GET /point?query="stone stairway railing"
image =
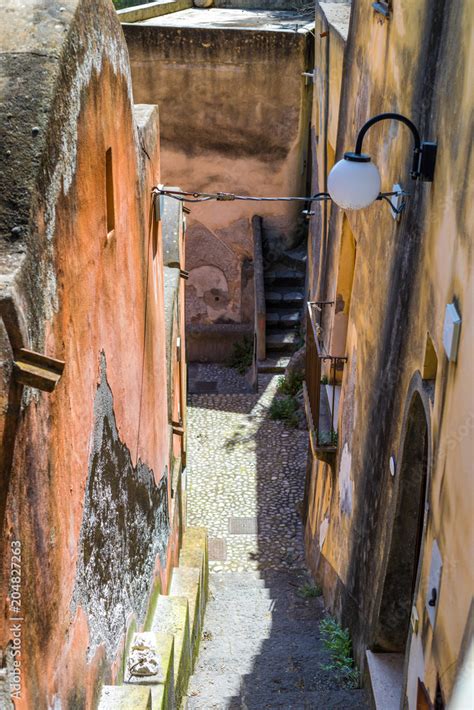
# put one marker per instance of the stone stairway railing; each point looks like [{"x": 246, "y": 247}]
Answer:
[{"x": 161, "y": 658}]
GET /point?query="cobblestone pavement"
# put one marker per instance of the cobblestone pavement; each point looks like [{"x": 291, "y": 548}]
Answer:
[
  {"x": 261, "y": 647},
  {"x": 242, "y": 465},
  {"x": 207, "y": 378}
]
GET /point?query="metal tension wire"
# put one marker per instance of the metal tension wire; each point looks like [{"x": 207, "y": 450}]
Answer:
[
  {"x": 183, "y": 196},
  {"x": 194, "y": 197}
]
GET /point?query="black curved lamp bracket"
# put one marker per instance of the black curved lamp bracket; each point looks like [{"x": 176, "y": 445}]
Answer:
[{"x": 424, "y": 152}]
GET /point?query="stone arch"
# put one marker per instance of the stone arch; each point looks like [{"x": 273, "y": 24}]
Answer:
[{"x": 405, "y": 553}]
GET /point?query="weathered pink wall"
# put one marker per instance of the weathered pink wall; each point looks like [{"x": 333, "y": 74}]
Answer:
[{"x": 89, "y": 484}]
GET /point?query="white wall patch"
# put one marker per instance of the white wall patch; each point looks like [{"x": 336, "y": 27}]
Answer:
[{"x": 346, "y": 485}]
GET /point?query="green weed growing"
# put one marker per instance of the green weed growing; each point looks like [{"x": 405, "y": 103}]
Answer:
[{"x": 338, "y": 642}]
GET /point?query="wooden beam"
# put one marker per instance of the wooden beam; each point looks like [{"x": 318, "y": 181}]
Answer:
[{"x": 37, "y": 370}]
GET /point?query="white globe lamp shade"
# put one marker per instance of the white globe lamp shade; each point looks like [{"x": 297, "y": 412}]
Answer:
[{"x": 354, "y": 182}]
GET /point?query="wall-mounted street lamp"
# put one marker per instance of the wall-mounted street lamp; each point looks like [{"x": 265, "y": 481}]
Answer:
[{"x": 354, "y": 182}]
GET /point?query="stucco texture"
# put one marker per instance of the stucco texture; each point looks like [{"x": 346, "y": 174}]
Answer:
[
  {"x": 86, "y": 468},
  {"x": 404, "y": 275},
  {"x": 235, "y": 112}
]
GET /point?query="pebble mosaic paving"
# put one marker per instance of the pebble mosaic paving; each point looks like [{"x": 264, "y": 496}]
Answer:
[{"x": 244, "y": 465}]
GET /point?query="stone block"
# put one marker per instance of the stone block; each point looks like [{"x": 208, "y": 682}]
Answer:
[
  {"x": 172, "y": 617},
  {"x": 150, "y": 662},
  {"x": 194, "y": 553},
  {"x": 186, "y": 582},
  {"x": 125, "y": 697}
]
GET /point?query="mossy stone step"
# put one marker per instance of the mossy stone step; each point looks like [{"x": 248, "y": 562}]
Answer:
[
  {"x": 172, "y": 617},
  {"x": 125, "y": 697},
  {"x": 163, "y": 643},
  {"x": 186, "y": 582},
  {"x": 194, "y": 553}
]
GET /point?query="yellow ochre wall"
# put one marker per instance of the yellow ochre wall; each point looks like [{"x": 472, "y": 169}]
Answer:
[{"x": 415, "y": 63}]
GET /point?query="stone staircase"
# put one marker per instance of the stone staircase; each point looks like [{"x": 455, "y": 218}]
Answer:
[
  {"x": 284, "y": 298},
  {"x": 168, "y": 646},
  {"x": 261, "y": 648}
]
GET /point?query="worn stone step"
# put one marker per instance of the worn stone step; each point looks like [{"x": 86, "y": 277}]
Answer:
[
  {"x": 283, "y": 276},
  {"x": 271, "y": 661},
  {"x": 162, "y": 682},
  {"x": 124, "y": 697},
  {"x": 283, "y": 319},
  {"x": 296, "y": 700},
  {"x": 286, "y": 340},
  {"x": 284, "y": 296},
  {"x": 294, "y": 259},
  {"x": 275, "y": 364},
  {"x": 186, "y": 582},
  {"x": 248, "y": 592}
]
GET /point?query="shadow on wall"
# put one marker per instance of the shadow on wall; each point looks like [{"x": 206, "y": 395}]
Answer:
[{"x": 125, "y": 525}]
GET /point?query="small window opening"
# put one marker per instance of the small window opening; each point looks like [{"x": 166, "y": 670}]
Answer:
[
  {"x": 430, "y": 363},
  {"x": 109, "y": 191}
]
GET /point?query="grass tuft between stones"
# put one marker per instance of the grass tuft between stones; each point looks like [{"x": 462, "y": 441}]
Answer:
[{"x": 284, "y": 409}]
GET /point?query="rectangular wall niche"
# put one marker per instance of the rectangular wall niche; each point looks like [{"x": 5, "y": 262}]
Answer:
[{"x": 109, "y": 191}]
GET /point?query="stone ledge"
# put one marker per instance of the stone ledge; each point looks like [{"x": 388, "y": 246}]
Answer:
[
  {"x": 337, "y": 15},
  {"x": 214, "y": 342},
  {"x": 139, "y": 13},
  {"x": 385, "y": 671}
]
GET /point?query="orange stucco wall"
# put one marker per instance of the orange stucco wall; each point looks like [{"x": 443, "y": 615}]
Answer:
[{"x": 98, "y": 447}]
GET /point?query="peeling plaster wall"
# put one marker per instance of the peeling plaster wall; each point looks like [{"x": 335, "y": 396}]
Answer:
[
  {"x": 86, "y": 470},
  {"x": 125, "y": 527},
  {"x": 405, "y": 274}
]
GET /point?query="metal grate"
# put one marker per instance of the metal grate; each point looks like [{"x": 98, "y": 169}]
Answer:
[
  {"x": 243, "y": 526},
  {"x": 217, "y": 549},
  {"x": 204, "y": 387}
]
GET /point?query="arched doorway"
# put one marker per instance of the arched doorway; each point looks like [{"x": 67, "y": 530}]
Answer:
[{"x": 400, "y": 579}]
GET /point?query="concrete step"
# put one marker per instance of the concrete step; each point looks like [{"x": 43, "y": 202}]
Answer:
[
  {"x": 274, "y": 364},
  {"x": 284, "y": 296},
  {"x": 285, "y": 340},
  {"x": 283, "y": 319},
  {"x": 294, "y": 700}
]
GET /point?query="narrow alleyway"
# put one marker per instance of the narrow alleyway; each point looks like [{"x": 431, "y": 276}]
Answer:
[{"x": 261, "y": 646}]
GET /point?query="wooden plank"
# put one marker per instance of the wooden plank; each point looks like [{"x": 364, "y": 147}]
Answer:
[
  {"x": 37, "y": 370},
  {"x": 40, "y": 360}
]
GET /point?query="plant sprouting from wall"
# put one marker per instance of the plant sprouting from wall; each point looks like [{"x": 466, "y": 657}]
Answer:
[{"x": 338, "y": 642}]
